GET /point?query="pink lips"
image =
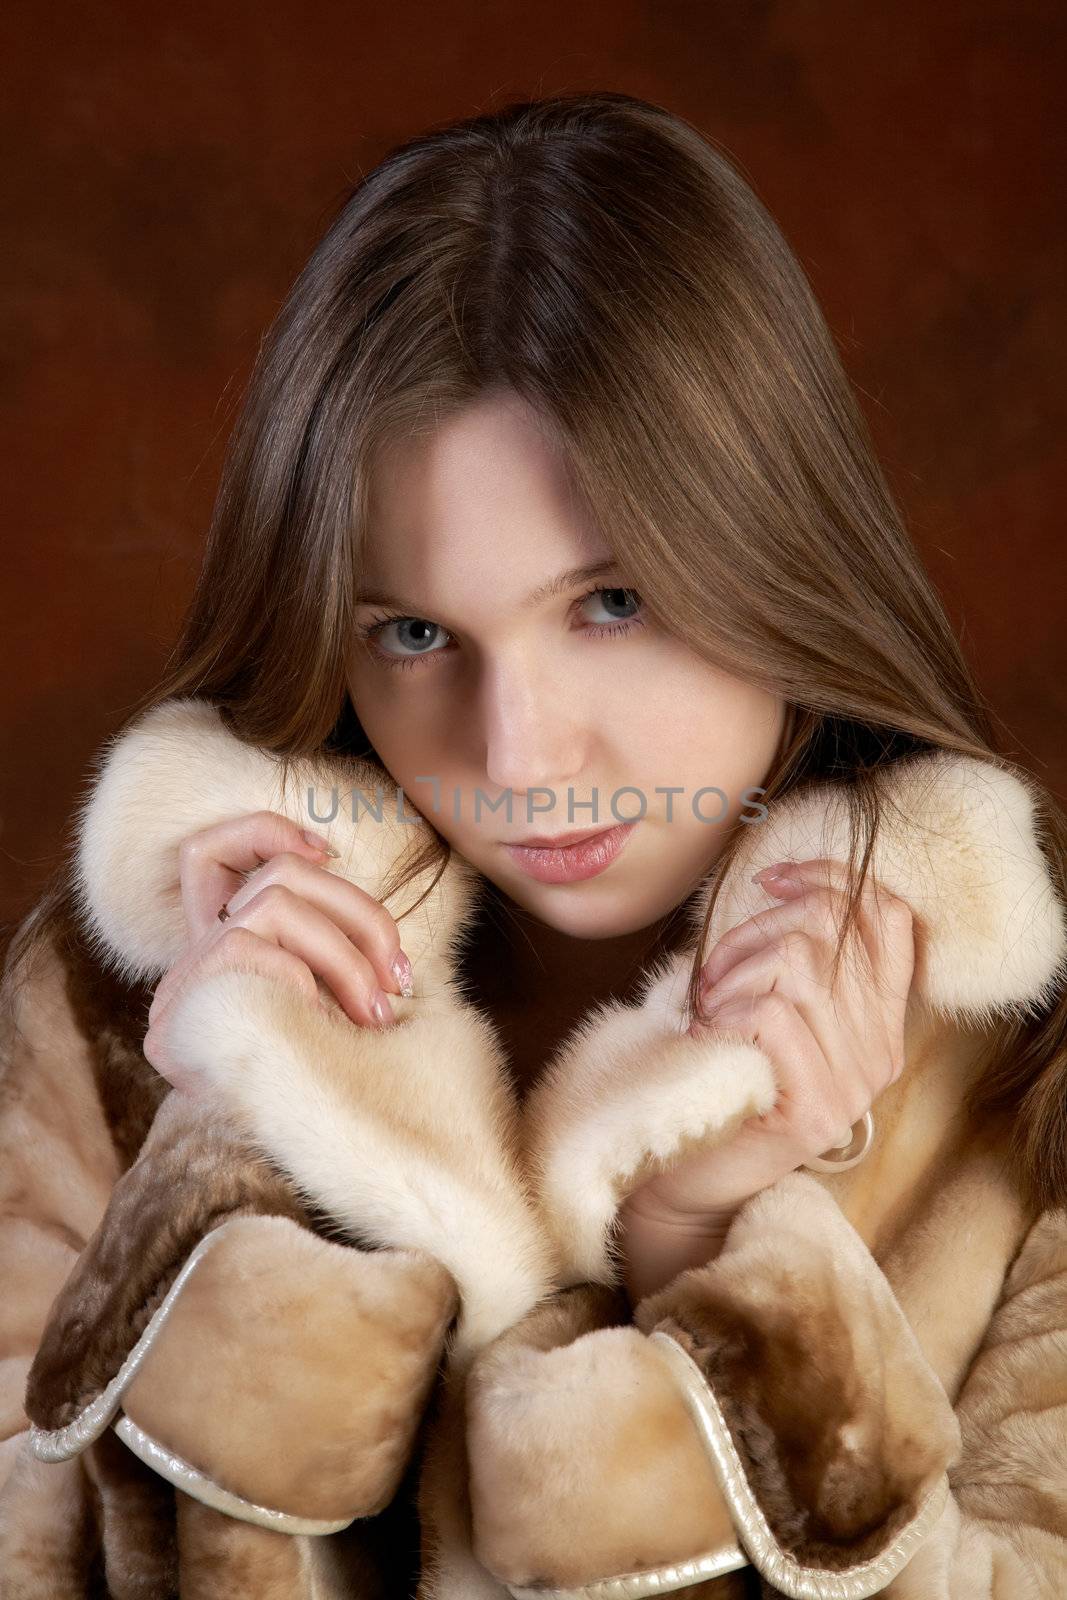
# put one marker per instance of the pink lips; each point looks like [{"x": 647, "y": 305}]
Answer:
[{"x": 569, "y": 863}]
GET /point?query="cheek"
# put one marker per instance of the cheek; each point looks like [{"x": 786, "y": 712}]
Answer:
[
  {"x": 699, "y": 729},
  {"x": 391, "y": 720},
  {"x": 413, "y": 744}
]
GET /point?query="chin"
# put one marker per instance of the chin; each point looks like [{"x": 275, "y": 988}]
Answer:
[{"x": 581, "y": 912}]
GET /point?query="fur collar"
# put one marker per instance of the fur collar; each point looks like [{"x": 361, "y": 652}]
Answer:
[
  {"x": 628, "y": 1090},
  {"x": 959, "y": 843},
  {"x": 412, "y": 1141}
]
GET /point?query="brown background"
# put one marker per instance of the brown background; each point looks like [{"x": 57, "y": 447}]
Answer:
[{"x": 170, "y": 168}]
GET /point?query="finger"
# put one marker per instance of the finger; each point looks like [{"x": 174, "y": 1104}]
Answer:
[
  {"x": 792, "y": 962},
  {"x": 212, "y": 861},
  {"x": 275, "y": 912},
  {"x": 852, "y": 1034},
  {"x": 820, "y": 886},
  {"x": 885, "y": 922},
  {"x": 239, "y": 949},
  {"x": 809, "y": 1104},
  {"x": 819, "y": 910},
  {"x": 364, "y": 920},
  {"x": 798, "y": 968},
  {"x": 797, "y": 948}
]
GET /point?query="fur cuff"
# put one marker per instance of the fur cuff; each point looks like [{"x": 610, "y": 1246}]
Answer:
[
  {"x": 587, "y": 1477},
  {"x": 628, "y": 1095},
  {"x": 780, "y": 1388},
  {"x": 267, "y": 1371},
  {"x": 831, "y": 1433},
  {"x": 281, "y": 1379}
]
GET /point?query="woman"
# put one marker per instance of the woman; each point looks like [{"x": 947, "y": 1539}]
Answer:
[{"x": 550, "y": 366}]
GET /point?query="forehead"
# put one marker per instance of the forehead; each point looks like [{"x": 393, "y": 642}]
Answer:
[{"x": 483, "y": 500}]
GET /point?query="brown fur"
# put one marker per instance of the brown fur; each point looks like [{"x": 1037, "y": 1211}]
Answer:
[
  {"x": 844, "y": 1321},
  {"x": 134, "y": 1509},
  {"x": 786, "y": 1378},
  {"x": 190, "y": 1175},
  {"x": 113, "y": 1018}
]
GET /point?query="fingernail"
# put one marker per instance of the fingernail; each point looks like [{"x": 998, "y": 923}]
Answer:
[
  {"x": 319, "y": 843},
  {"x": 382, "y": 1009},
  {"x": 783, "y": 871},
  {"x": 779, "y": 884},
  {"x": 403, "y": 974}
]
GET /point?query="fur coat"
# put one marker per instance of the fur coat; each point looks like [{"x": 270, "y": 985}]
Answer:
[{"x": 352, "y": 1324}]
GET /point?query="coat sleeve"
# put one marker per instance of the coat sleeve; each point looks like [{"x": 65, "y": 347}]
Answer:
[
  {"x": 269, "y": 1372},
  {"x": 1003, "y": 1531},
  {"x": 840, "y": 1449},
  {"x": 57, "y": 1161},
  {"x": 406, "y": 1137},
  {"x": 774, "y": 1408}
]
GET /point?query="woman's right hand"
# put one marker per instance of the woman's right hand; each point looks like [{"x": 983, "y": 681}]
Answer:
[{"x": 291, "y": 919}]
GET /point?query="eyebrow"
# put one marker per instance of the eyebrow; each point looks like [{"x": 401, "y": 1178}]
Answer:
[{"x": 545, "y": 591}]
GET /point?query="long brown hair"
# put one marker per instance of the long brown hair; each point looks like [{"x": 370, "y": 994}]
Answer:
[{"x": 599, "y": 256}]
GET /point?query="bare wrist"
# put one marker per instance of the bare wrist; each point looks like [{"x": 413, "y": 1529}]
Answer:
[{"x": 657, "y": 1246}]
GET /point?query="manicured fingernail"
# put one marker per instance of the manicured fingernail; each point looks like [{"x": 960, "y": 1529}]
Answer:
[
  {"x": 382, "y": 1009},
  {"x": 782, "y": 871},
  {"x": 403, "y": 974},
  {"x": 319, "y": 843},
  {"x": 779, "y": 881}
]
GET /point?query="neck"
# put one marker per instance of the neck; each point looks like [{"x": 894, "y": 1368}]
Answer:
[{"x": 520, "y": 960}]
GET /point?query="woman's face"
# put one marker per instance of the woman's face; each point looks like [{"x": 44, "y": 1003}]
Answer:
[{"x": 468, "y": 684}]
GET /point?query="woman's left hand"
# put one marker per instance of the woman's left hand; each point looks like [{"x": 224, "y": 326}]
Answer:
[{"x": 834, "y": 1050}]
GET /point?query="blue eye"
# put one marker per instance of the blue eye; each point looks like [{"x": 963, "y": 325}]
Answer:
[
  {"x": 416, "y": 632},
  {"x": 615, "y": 597},
  {"x": 424, "y": 637}
]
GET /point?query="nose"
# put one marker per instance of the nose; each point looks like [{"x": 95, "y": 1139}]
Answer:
[{"x": 534, "y": 729}]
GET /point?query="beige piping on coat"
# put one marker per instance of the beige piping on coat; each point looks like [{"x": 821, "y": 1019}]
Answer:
[
  {"x": 59, "y": 1444},
  {"x": 774, "y": 1563},
  {"x": 205, "y": 1489}
]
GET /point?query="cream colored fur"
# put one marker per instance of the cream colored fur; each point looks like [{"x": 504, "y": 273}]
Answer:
[
  {"x": 411, "y": 1137},
  {"x": 400, "y": 1135},
  {"x": 957, "y": 843}
]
